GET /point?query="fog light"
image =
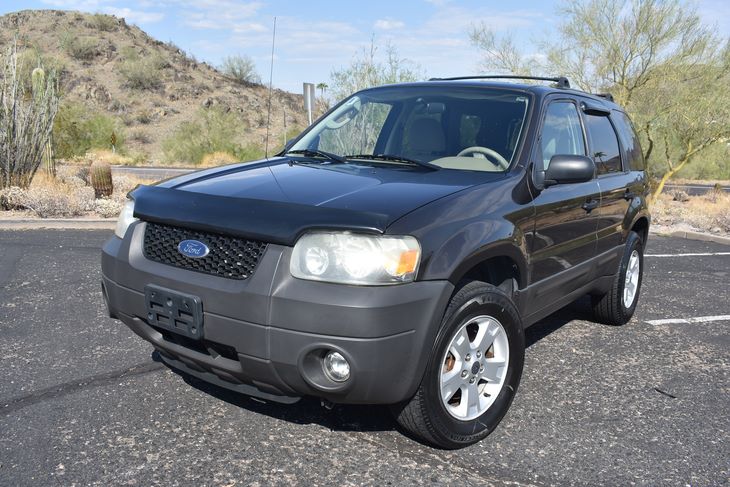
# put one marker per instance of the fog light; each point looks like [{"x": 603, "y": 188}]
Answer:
[{"x": 336, "y": 367}]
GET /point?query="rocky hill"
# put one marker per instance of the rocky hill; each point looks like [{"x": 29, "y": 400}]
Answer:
[{"x": 151, "y": 87}]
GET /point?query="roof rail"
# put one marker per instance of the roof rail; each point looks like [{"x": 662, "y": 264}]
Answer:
[
  {"x": 607, "y": 96},
  {"x": 561, "y": 81}
]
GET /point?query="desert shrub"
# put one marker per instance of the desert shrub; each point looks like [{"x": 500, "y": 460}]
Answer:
[
  {"x": 107, "y": 208},
  {"x": 11, "y": 198},
  {"x": 124, "y": 184},
  {"x": 241, "y": 68},
  {"x": 144, "y": 117},
  {"x": 142, "y": 73},
  {"x": 76, "y": 130},
  {"x": 47, "y": 201},
  {"x": 73, "y": 181},
  {"x": 82, "y": 48},
  {"x": 85, "y": 197},
  {"x": 116, "y": 106},
  {"x": 104, "y": 23},
  {"x": 141, "y": 136},
  {"x": 70, "y": 174},
  {"x": 680, "y": 196},
  {"x": 212, "y": 130}
]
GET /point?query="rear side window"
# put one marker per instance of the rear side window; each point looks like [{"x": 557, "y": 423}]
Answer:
[
  {"x": 604, "y": 144},
  {"x": 629, "y": 140},
  {"x": 561, "y": 132}
]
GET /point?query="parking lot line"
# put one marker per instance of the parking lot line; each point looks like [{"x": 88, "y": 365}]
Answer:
[
  {"x": 696, "y": 254},
  {"x": 697, "y": 319}
]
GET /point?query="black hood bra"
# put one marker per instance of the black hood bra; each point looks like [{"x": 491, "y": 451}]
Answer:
[{"x": 276, "y": 202}]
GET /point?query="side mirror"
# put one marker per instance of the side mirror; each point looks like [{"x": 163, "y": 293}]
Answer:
[
  {"x": 565, "y": 169},
  {"x": 289, "y": 143}
]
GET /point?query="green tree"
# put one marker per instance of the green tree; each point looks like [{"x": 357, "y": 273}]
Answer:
[
  {"x": 77, "y": 130},
  {"x": 366, "y": 71},
  {"x": 212, "y": 130},
  {"x": 241, "y": 68},
  {"x": 655, "y": 57}
]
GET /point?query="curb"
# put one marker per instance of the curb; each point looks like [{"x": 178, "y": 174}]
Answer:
[
  {"x": 58, "y": 223},
  {"x": 705, "y": 237}
]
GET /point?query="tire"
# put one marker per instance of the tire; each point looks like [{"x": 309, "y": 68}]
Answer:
[
  {"x": 476, "y": 309},
  {"x": 612, "y": 308}
]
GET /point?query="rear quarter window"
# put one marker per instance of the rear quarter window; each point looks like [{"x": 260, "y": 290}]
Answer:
[{"x": 604, "y": 144}]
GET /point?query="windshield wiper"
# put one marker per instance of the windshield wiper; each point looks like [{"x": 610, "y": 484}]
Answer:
[
  {"x": 394, "y": 158},
  {"x": 318, "y": 153}
]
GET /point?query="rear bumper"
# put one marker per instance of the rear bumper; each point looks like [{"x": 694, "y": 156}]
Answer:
[{"x": 265, "y": 336}]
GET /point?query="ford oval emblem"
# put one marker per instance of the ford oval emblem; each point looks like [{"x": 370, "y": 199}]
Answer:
[{"x": 193, "y": 249}]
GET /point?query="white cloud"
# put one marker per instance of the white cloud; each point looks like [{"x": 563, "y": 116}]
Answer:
[
  {"x": 388, "y": 24},
  {"x": 134, "y": 16},
  {"x": 217, "y": 14}
]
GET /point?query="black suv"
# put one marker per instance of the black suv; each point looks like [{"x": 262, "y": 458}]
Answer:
[{"x": 394, "y": 252}]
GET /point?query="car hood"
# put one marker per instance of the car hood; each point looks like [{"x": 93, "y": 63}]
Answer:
[{"x": 278, "y": 199}]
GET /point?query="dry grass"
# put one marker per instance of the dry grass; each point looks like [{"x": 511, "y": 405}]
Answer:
[
  {"x": 107, "y": 157},
  {"x": 707, "y": 213},
  {"x": 217, "y": 159}
]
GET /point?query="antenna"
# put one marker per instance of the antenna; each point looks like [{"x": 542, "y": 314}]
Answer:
[{"x": 271, "y": 84}]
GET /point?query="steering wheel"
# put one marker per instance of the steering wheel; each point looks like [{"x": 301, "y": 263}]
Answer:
[{"x": 486, "y": 151}]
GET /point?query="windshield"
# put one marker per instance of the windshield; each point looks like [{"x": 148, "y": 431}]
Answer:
[{"x": 476, "y": 129}]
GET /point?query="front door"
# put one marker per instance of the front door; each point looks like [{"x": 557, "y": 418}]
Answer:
[{"x": 566, "y": 215}]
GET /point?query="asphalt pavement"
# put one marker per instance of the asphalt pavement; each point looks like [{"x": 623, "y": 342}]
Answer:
[
  {"x": 694, "y": 189},
  {"x": 83, "y": 401}
]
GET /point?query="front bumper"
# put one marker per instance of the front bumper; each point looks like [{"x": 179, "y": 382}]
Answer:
[{"x": 264, "y": 336}]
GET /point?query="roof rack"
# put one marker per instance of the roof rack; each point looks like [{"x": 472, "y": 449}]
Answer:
[
  {"x": 561, "y": 81},
  {"x": 607, "y": 96}
]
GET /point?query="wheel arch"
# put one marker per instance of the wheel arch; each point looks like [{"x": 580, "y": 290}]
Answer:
[
  {"x": 641, "y": 226},
  {"x": 503, "y": 266}
]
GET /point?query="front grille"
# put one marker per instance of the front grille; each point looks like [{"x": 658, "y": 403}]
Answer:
[{"x": 229, "y": 257}]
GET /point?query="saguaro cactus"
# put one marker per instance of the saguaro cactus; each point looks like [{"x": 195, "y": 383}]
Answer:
[{"x": 100, "y": 175}]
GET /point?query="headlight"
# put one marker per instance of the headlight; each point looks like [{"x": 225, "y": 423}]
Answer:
[
  {"x": 125, "y": 219},
  {"x": 351, "y": 258}
]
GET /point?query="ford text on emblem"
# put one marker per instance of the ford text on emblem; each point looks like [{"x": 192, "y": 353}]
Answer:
[{"x": 193, "y": 249}]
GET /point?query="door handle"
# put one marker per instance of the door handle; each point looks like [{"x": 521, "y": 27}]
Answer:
[
  {"x": 590, "y": 205},
  {"x": 629, "y": 195}
]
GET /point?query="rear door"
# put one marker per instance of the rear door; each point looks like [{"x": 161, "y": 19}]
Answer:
[
  {"x": 614, "y": 180},
  {"x": 564, "y": 239}
]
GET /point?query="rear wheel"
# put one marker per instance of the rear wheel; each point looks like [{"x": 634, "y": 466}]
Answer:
[
  {"x": 617, "y": 306},
  {"x": 473, "y": 373}
]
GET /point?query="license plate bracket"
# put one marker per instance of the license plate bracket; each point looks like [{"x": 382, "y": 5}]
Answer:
[{"x": 174, "y": 311}]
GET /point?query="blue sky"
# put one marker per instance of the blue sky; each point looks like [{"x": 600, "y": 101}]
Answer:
[{"x": 316, "y": 36}]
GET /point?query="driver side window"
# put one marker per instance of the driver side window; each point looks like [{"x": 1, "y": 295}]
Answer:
[{"x": 561, "y": 132}]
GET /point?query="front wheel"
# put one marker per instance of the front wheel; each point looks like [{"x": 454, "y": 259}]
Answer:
[
  {"x": 617, "y": 306},
  {"x": 473, "y": 372}
]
